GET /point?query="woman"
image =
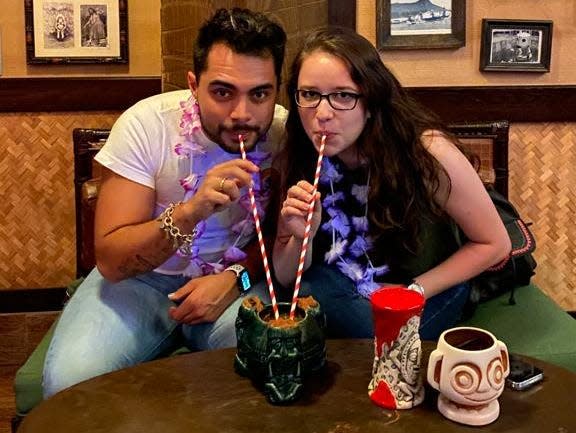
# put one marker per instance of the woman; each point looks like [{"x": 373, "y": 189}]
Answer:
[
  {"x": 96, "y": 31},
  {"x": 393, "y": 189}
]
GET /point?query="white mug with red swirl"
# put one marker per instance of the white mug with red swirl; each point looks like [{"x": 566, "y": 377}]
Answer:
[{"x": 469, "y": 368}]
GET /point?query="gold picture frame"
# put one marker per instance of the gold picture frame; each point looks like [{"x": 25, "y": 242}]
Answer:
[{"x": 76, "y": 31}]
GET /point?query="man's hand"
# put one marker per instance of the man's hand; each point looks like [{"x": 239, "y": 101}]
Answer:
[
  {"x": 220, "y": 187},
  {"x": 203, "y": 299}
]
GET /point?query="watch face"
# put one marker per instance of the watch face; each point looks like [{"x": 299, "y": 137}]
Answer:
[{"x": 244, "y": 280}]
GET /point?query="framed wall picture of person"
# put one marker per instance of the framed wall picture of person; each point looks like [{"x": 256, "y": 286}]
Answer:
[
  {"x": 76, "y": 31},
  {"x": 420, "y": 24},
  {"x": 516, "y": 45}
]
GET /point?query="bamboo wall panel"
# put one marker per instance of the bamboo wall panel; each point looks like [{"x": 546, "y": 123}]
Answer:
[
  {"x": 37, "y": 230},
  {"x": 542, "y": 157},
  {"x": 37, "y": 233}
]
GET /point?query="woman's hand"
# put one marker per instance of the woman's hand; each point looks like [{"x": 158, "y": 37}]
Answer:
[{"x": 295, "y": 211}]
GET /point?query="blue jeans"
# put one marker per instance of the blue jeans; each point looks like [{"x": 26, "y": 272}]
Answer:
[
  {"x": 108, "y": 326},
  {"x": 349, "y": 315}
]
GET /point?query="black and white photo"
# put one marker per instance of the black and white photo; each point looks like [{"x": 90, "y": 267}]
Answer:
[
  {"x": 516, "y": 45},
  {"x": 76, "y": 31},
  {"x": 420, "y": 24},
  {"x": 94, "y": 31},
  {"x": 422, "y": 17}
]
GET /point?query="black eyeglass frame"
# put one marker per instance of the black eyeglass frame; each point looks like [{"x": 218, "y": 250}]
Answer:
[{"x": 327, "y": 96}]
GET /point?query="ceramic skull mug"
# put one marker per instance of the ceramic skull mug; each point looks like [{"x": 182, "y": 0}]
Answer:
[
  {"x": 469, "y": 368},
  {"x": 279, "y": 355}
]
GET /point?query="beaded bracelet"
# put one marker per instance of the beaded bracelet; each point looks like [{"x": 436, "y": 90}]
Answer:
[{"x": 181, "y": 241}]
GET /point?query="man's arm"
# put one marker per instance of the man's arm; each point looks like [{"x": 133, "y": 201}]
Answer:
[{"x": 127, "y": 240}]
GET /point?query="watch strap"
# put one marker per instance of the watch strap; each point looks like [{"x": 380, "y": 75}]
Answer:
[
  {"x": 242, "y": 277},
  {"x": 236, "y": 268}
]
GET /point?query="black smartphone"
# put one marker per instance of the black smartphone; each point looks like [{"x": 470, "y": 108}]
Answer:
[{"x": 523, "y": 375}]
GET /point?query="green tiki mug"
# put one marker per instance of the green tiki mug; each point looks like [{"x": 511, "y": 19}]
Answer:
[{"x": 278, "y": 354}]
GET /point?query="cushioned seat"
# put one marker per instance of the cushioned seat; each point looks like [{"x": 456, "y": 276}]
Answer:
[
  {"x": 28, "y": 380},
  {"x": 536, "y": 326}
]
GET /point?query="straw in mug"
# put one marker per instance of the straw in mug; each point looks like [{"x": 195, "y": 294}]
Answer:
[
  {"x": 260, "y": 237},
  {"x": 307, "y": 230}
]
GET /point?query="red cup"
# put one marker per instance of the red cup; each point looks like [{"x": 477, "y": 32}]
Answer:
[{"x": 396, "y": 380}]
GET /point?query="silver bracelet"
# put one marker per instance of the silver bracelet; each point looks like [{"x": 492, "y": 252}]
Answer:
[
  {"x": 416, "y": 287},
  {"x": 181, "y": 241}
]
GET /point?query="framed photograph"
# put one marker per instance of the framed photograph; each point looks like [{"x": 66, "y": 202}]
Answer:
[
  {"x": 76, "y": 31},
  {"x": 516, "y": 45},
  {"x": 420, "y": 24}
]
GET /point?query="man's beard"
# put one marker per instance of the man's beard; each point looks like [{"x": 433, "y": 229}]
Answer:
[{"x": 233, "y": 131}]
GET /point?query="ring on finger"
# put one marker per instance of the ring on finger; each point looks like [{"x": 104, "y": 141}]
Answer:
[{"x": 221, "y": 188}]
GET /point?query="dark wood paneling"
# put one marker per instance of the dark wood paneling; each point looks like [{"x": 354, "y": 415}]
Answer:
[
  {"x": 512, "y": 103},
  {"x": 74, "y": 94},
  {"x": 342, "y": 13},
  {"x": 29, "y": 300},
  {"x": 453, "y": 104}
]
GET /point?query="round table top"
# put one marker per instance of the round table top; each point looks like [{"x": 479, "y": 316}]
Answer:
[{"x": 200, "y": 392}]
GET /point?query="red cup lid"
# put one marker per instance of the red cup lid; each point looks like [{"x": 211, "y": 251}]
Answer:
[{"x": 397, "y": 298}]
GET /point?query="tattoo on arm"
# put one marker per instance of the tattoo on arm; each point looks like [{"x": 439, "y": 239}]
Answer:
[{"x": 139, "y": 264}]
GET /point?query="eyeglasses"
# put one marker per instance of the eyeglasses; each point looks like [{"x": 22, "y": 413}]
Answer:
[{"x": 337, "y": 100}]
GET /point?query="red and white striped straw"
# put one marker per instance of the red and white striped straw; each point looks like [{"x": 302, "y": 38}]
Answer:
[
  {"x": 260, "y": 237},
  {"x": 307, "y": 230}
]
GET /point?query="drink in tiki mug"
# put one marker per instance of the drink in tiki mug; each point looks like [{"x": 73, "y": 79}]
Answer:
[
  {"x": 469, "y": 367},
  {"x": 396, "y": 380},
  {"x": 278, "y": 353}
]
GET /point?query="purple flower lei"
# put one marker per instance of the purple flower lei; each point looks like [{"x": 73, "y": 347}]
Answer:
[
  {"x": 190, "y": 128},
  {"x": 344, "y": 253}
]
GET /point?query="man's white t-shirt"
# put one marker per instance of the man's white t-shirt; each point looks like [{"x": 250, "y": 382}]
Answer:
[{"x": 141, "y": 148}]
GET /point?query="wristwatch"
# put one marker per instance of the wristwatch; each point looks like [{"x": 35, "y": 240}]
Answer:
[
  {"x": 416, "y": 287},
  {"x": 242, "y": 277}
]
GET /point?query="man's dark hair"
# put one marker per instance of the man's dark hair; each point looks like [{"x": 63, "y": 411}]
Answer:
[{"x": 245, "y": 32}]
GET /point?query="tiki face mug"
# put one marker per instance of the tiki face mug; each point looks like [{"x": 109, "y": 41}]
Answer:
[
  {"x": 396, "y": 380},
  {"x": 469, "y": 368},
  {"x": 278, "y": 354}
]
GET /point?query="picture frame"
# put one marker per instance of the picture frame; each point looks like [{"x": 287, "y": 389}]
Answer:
[
  {"x": 409, "y": 25},
  {"x": 516, "y": 45},
  {"x": 76, "y": 31}
]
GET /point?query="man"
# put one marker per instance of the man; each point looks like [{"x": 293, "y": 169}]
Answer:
[{"x": 174, "y": 235}]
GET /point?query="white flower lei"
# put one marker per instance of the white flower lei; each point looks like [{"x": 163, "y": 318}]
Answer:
[
  {"x": 346, "y": 255},
  {"x": 191, "y": 127}
]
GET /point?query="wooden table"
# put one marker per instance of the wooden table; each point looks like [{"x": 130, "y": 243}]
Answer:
[{"x": 200, "y": 392}]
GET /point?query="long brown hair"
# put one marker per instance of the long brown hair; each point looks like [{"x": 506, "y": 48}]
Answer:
[{"x": 404, "y": 176}]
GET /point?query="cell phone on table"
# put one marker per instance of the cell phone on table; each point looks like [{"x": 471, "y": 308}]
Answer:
[{"x": 523, "y": 375}]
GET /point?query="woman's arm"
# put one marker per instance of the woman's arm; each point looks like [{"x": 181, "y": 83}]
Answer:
[
  {"x": 469, "y": 204},
  {"x": 290, "y": 233}
]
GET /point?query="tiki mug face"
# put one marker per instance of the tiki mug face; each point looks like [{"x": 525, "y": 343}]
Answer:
[
  {"x": 469, "y": 368},
  {"x": 278, "y": 354}
]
